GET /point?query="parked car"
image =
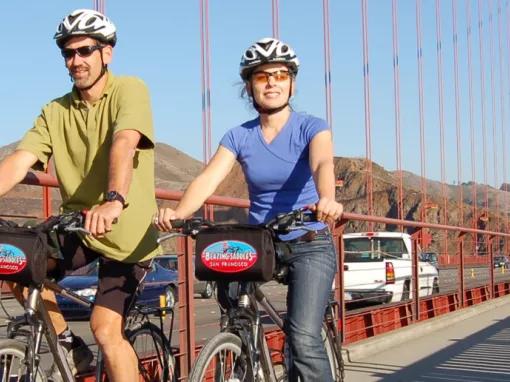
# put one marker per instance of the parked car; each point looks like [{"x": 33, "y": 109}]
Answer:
[
  {"x": 204, "y": 288},
  {"x": 501, "y": 261},
  {"x": 430, "y": 257},
  {"x": 378, "y": 268},
  {"x": 159, "y": 281}
]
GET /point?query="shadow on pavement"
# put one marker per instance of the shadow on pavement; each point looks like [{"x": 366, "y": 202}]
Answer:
[{"x": 482, "y": 357}]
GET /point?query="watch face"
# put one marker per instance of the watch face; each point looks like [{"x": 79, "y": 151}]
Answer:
[{"x": 111, "y": 195}]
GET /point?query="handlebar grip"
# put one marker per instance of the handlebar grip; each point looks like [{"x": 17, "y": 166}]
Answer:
[
  {"x": 309, "y": 217},
  {"x": 177, "y": 223}
]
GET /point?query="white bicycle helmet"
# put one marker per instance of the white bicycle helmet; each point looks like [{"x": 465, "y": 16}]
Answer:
[
  {"x": 86, "y": 22},
  {"x": 265, "y": 51}
]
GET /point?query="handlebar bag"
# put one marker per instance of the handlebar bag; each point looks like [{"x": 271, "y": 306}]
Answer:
[
  {"x": 22, "y": 255},
  {"x": 233, "y": 252}
]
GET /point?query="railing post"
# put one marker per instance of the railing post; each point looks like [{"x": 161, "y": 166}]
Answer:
[
  {"x": 339, "y": 278},
  {"x": 490, "y": 243},
  {"x": 186, "y": 307},
  {"x": 461, "y": 270},
  {"x": 415, "y": 280},
  {"x": 47, "y": 198}
]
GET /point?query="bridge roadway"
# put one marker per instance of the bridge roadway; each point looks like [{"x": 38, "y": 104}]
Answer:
[
  {"x": 471, "y": 345},
  {"x": 389, "y": 363}
]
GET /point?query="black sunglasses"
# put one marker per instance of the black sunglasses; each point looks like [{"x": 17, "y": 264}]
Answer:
[{"x": 82, "y": 51}]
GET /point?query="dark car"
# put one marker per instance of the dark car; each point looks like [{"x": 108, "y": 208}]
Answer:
[
  {"x": 158, "y": 281},
  {"x": 203, "y": 288},
  {"x": 501, "y": 261}
]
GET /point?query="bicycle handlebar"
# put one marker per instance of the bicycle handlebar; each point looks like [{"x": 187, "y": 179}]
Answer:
[
  {"x": 281, "y": 223},
  {"x": 69, "y": 222}
]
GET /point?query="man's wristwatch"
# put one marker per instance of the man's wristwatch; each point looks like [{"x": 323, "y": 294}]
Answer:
[{"x": 114, "y": 195}]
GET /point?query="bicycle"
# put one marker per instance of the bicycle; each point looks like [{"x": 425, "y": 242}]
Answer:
[
  {"x": 20, "y": 353},
  {"x": 240, "y": 351}
]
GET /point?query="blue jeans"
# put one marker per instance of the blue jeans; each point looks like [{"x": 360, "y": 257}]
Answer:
[{"x": 312, "y": 267}]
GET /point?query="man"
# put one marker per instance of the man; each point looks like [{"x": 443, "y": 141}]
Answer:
[{"x": 100, "y": 136}]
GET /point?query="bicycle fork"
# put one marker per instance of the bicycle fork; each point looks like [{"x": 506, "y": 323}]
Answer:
[{"x": 35, "y": 307}]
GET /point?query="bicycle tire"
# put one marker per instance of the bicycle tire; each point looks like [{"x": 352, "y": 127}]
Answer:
[
  {"x": 222, "y": 359},
  {"x": 149, "y": 341},
  {"x": 12, "y": 362},
  {"x": 334, "y": 354}
]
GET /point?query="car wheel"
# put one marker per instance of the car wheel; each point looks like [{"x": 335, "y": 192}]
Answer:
[
  {"x": 435, "y": 286},
  {"x": 406, "y": 291},
  {"x": 209, "y": 290},
  {"x": 170, "y": 296}
]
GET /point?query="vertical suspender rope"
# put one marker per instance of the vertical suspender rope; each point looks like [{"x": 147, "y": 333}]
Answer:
[
  {"x": 502, "y": 119},
  {"x": 440, "y": 87},
  {"x": 474, "y": 196},
  {"x": 396, "y": 92},
  {"x": 493, "y": 116},
  {"x": 208, "y": 82},
  {"x": 457, "y": 111},
  {"x": 203, "y": 84},
  {"x": 99, "y": 6},
  {"x": 206, "y": 90},
  {"x": 482, "y": 109},
  {"x": 368, "y": 138},
  {"x": 276, "y": 18},
  {"x": 421, "y": 111},
  {"x": 205, "y": 77},
  {"x": 327, "y": 64}
]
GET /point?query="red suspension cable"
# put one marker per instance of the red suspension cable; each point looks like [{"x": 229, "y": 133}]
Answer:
[
  {"x": 327, "y": 64},
  {"x": 421, "y": 109},
  {"x": 457, "y": 111},
  {"x": 502, "y": 117},
  {"x": 396, "y": 96},
  {"x": 493, "y": 104},
  {"x": 440, "y": 87},
  {"x": 368, "y": 138},
  {"x": 471, "y": 118},
  {"x": 276, "y": 18},
  {"x": 205, "y": 81},
  {"x": 482, "y": 107}
]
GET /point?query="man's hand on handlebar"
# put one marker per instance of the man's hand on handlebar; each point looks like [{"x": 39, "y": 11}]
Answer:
[{"x": 99, "y": 220}]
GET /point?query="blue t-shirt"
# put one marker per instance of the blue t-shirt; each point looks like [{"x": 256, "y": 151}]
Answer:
[{"x": 278, "y": 173}]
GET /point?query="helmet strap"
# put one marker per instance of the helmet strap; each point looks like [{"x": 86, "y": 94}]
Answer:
[{"x": 104, "y": 69}]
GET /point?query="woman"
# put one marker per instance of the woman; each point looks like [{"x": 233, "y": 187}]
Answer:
[{"x": 287, "y": 160}]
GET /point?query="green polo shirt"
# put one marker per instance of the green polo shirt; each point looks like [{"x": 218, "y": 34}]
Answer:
[{"x": 79, "y": 136}]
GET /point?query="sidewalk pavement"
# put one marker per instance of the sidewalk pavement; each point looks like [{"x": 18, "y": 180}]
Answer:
[{"x": 474, "y": 347}]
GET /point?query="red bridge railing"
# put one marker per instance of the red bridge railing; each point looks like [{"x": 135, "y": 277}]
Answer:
[{"x": 357, "y": 324}]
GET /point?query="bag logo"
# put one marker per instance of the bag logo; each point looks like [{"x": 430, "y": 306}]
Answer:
[
  {"x": 229, "y": 256},
  {"x": 12, "y": 259}
]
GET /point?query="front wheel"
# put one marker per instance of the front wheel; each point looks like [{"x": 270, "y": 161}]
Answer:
[
  {"x": 222, "y": 359},
  {"x": 334, "y": 354},
  {"x": 155, "y": 360},
  {"x": 12, "y": 363}
]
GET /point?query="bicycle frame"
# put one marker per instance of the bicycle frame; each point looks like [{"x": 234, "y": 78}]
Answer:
[{"x": 244, "y": 320}]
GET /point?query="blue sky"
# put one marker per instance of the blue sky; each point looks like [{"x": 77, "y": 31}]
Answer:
[{"x": 159, "y": 41}]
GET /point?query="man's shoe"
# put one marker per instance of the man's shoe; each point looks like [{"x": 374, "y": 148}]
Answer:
[{"x": 79, "y": 358}]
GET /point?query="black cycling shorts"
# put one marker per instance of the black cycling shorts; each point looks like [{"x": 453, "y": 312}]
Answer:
[{"x": 118, "y": 282}]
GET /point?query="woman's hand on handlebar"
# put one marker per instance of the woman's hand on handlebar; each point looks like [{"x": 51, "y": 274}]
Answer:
[
  {"x": 327, "y": 210},
  {"x": 162, "y": 219}
]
